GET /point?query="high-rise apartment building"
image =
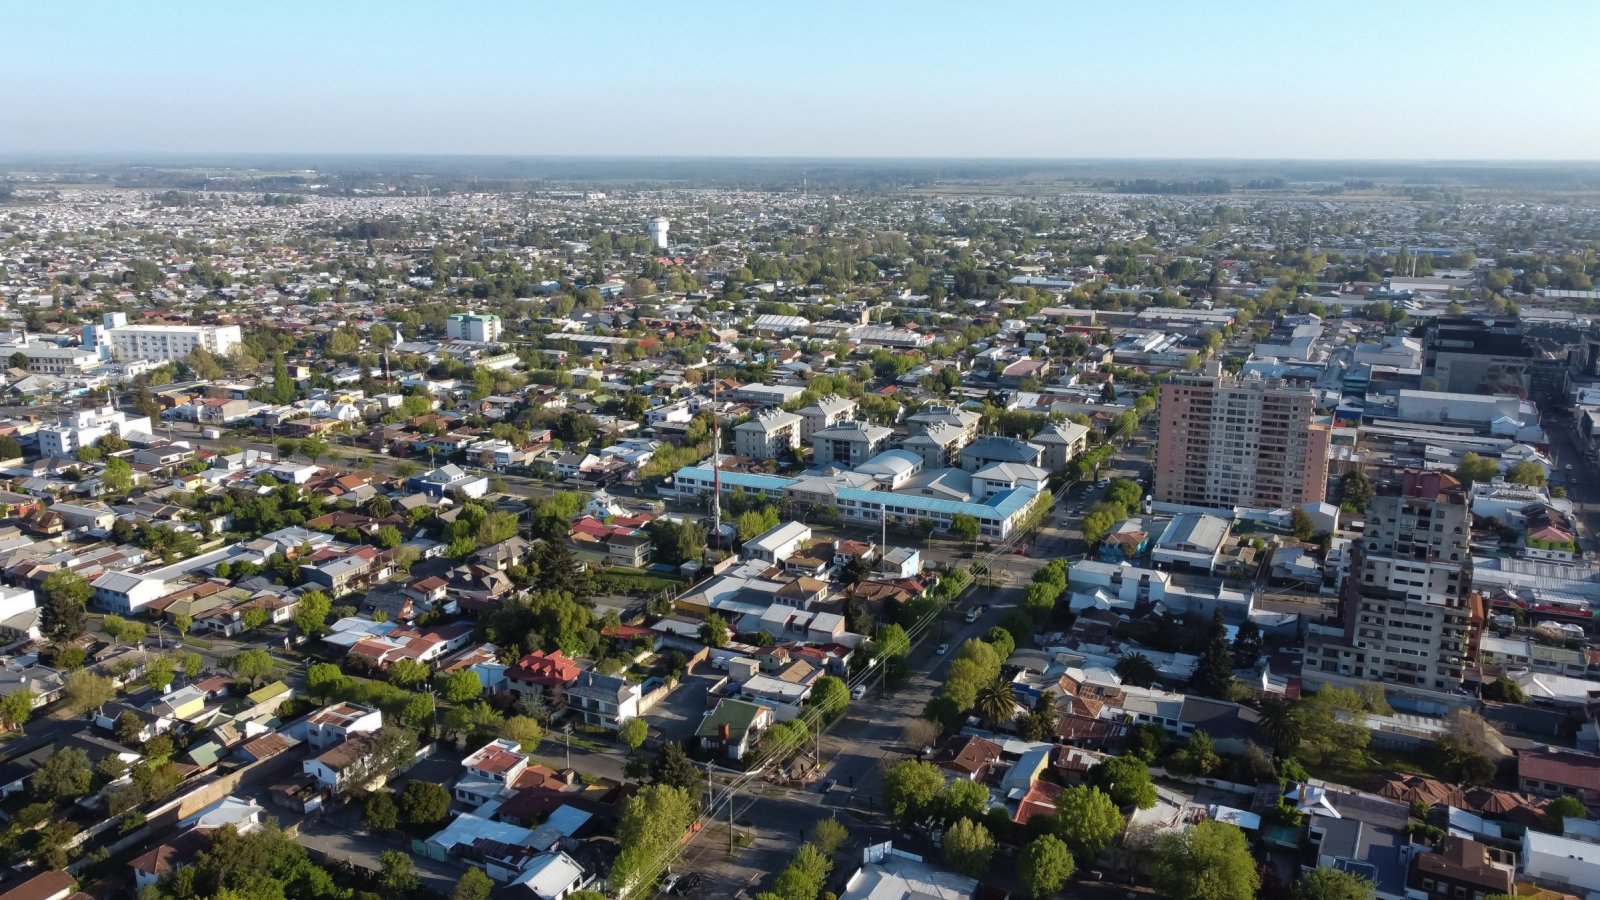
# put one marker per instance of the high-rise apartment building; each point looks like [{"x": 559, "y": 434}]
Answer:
[
  {"x": 1227, "y": 442},
  {"x": 1407, "y": 615}
]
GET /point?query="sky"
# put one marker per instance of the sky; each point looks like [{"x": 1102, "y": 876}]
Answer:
[{"x": 1402, "y": 79}]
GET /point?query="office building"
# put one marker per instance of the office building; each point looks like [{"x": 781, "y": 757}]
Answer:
[
  {"x": 1474, "y": 355},
  {"x": 475, "y": 327},
  {"x": 169, "y": 343},
  {"x": 1226, "y": 442},
  {"x": 1406, "y": 614}
]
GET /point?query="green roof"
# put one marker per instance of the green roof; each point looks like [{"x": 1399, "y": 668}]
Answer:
[
  {"x": 263, "y": 694},
  {"x": 738, "y": 715}
]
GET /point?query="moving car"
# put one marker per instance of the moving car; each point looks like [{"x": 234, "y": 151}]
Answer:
[{"x": 942, "y": 649}]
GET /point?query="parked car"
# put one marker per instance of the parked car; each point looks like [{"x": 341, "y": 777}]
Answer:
[{"x": 858, "y": 692}]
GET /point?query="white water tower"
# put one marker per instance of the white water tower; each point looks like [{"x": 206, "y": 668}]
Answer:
[{"x": 658, "y": 232}]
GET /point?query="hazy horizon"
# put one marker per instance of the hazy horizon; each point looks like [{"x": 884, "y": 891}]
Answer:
[{"x": 1256, "y": 81}]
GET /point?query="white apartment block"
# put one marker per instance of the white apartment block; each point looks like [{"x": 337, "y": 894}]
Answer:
[
  {"x": 167, "y": 343},
  {"x": 480, "y": 329},
  {"x": 86, "y": 426}
]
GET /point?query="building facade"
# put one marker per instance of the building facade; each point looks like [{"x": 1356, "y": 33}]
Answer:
[
  {"x": 1406, "y": 613},
  {"x": 480, "y": 329},
  {"x": 166, "y": 343},
  {"x": 1225, "y": 442}
]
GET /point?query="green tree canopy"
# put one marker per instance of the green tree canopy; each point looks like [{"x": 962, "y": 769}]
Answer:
[
  {"x": 1210, "y": 860},
  {"x": 1044, "y": 865}
]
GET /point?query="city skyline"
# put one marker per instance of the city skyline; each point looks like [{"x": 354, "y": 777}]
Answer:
[{"x": 716, "y": 80}]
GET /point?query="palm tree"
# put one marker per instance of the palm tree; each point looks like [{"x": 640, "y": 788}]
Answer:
[
  {"x": 996, "y": 702},
  {"x": 1282, "y": 725}
]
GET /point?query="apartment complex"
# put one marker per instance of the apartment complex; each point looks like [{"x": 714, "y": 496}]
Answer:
[
  {"x": 1226, "y": 442},
  {"x": 1406, "y": 612},
  {"x": 85, "y": 426},
  {"x": 769, "y": 434},
  {"x": 165, "y": 343},
  {"x": 480, "y": 329}
]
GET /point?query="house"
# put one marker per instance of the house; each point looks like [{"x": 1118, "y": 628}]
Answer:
[
  {"x": 544, "y": 673},
  {"x": 447, "y": 479},
  {"x": 603, "y": 700},
  {"x": 343, "y": 765},
  {"x": 734, "y": 727},
  {"x": 490, "y": 771},
  {"x": 1554, "y": 773},
  {"x": 968, "y": 756},
  {"x": 1371, "y": 851},
  {"x": 1462, "y": 868},
  {"x": 776, "y": 544},
  {"x": 52, "y": 885},
  {"x": 126, "y": 593},
  {"x": 336, "y": 724},
  {"x": 890, "y": 874},
  {"x": 549, "y": 876}
]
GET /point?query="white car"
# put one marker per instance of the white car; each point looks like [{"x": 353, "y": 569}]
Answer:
[
  {"x": 858, "y": 692},
  {"x": 942, "y": 649}
]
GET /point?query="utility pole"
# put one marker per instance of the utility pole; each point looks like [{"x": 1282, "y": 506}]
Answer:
[{"x": 732, "y": 787}]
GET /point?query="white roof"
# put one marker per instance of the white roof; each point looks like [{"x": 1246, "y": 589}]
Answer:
[{"x": 550, "y": 874}]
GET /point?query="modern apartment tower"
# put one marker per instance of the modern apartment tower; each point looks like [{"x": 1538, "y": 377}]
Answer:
[
  {"x": 1407, "y": 616},
  {"x": 658, "y": 232},
  {"x": 1226, "y": 442}
]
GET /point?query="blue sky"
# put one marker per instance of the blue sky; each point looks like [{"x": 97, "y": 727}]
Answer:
[{"x": 1397, "y": 80}]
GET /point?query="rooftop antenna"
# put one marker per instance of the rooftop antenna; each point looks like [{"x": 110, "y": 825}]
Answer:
[{"x": 716, "y": 466}]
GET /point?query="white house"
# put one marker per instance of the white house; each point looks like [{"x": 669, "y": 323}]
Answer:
[
  {"x": 125, "y": 593},
  {"x": 778, "y": 543},
  {"x": 1560, "y": 862},
  {"x": 336, "y": 724},
  {"x": 550, "y": 876}
]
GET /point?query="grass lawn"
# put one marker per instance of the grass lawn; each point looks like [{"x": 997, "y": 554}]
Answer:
[{"x": 1375, "y": 763}]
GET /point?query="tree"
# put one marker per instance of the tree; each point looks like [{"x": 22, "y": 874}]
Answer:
[
  {"x": 997, "y": 702},
  {"x": 324, "y": 680},
  {"x": 910, "y": 787},
  {"x": 62, "y": 776},
  {"x": 1528, "y": 472},
  {"x": 674, "y": 768},
  {"x": 1087, "y": 820},
  {"x": 182, "y": 622},
  {"x": 830, "y": 696},
  {"x": 828, "y": 835},
  {"x": 314, "y": 448},
  {"x": 16, "y": 708},
  {"x": 1331, "y": 722},
  {"x": 64, "y": 615},
  {"x": 1559, "y": 810},
  {"x": 1039, "y": 600},
  {"x": 474, "y": 885},
  {"x": 461, "y": 685},
  {"x": 1355, "y": 490},
  {"x": 1474, "y": 468},
  {"x": 396, "y": 877},
  {"x": 714, "y": 631},
  {"x": 117, "y": 476},
  {"x": 1214, "y": 673},
  {"x": 158, "y": 673},
  {"x": 962, "y": 799},
  {"x": 407, "y": 673},
  {"x": 1044, "y": 865},
  {"x": 968, "y": 847},
  {"x": 189, "y": 662},
  {"x": 424, "y": 803},
  {"x": 388, "y": 537},
  {"x": 525, "y": 730},
  {"x": 380, "y": 813},
  {"x": 1301, "y": 525},
  {"x": 1282, "y": 725},
  {"x": 1126, "y": 779},
  {"x": 311, "y": 616},
  {"x": 1323, "y": 883},
  {"x": 85, "y": 691},
  {"x": 633, "y": 732},
  {"x": 253, "y": 666},
  {"x": 1208, "y": 861},
  {"x": 1137, "y": 670},
  {"x": 964, "y": 527}
]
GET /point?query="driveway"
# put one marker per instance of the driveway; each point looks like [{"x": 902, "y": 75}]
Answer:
[
  {"x": 680, "y": 712},
  {"x": 336, "y": 836}
]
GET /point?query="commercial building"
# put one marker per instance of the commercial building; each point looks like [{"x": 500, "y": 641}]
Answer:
[
  {"x": 1474, "y": 355},
  {"x": 166, "y": 343},
  {"x": 475, "y": 327},
  {"x": 1406, "y": 614},
  {"x": 1226, "y": 442}
]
